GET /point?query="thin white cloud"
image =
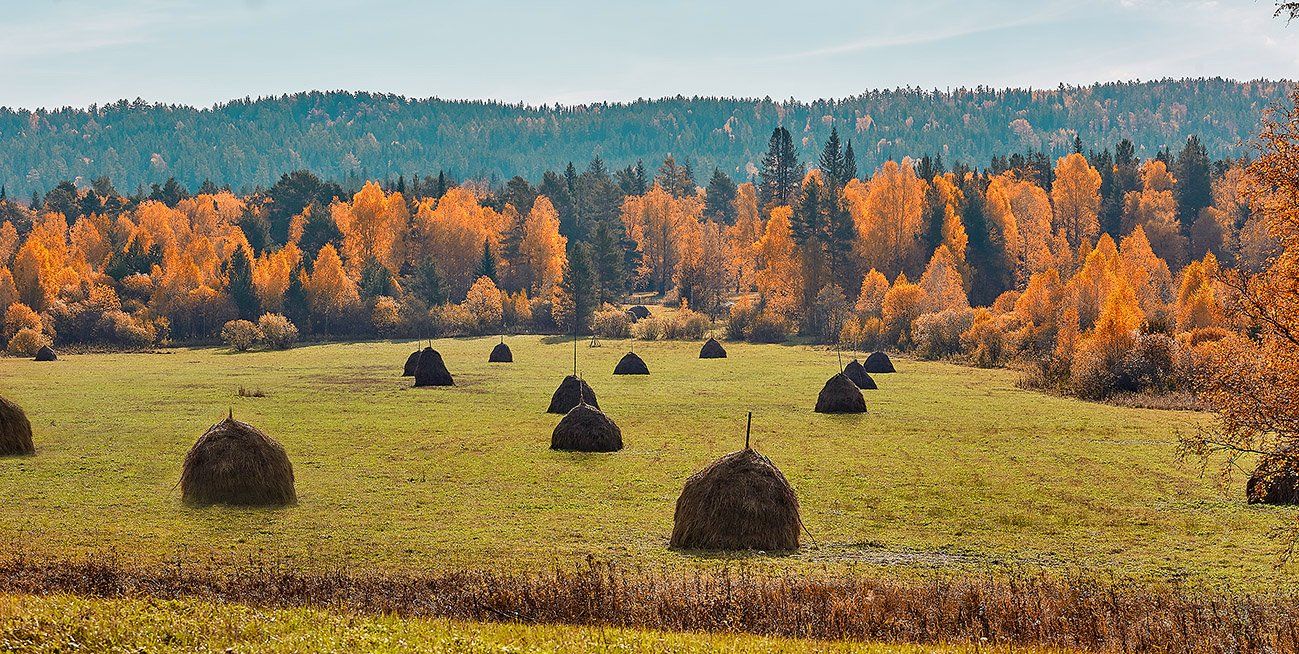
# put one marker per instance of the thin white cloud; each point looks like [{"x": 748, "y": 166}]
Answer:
[{"x": 929, "y": 34}]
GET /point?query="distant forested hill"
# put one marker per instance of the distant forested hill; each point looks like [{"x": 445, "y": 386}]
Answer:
[{"x": 357, "y": 135}]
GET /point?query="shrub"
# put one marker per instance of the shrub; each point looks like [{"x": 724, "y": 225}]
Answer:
[
  {"x": 681, "y": 325},
  {"x": 1151, "y": 364},
  {"x": 541, "y": 314},
  {"x": 27, "y": 341},
  {"x": 452, "y": 320},
  {"x": 985, "y": 339},
  {"x": 938, "y": 335},
  {"x": 648, "y": 329},
  {"x": 386, "y": 315},
  {"x": 484, "y": 305},
  {"x": 742, "y": 315},
  {"x": 769, "y": 327},
  {"x": 240, "y": 335},
  {"x": 687, "y": 325},
  {"x": 516, "y": 310},
  {"x": 279, "y": 332},
  {"x": 18, "y": 317},
  {"x": 611, "y": 322},
  {"x": 125, "y": 329}
]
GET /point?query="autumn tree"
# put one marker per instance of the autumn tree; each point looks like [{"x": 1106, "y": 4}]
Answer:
[
  {"x": 888, "y": 213},
  {"x": 1076, "y": 199},
  {"x": 331, "y": 292},
  {"x": 543, "y": 249}
]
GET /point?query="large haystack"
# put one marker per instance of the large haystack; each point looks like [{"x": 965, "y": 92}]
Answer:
[
  {"x": 858, "y": 375},
  {"x": 638, "y": 312},
  {"x": 411, "y": 362},
  {"x": 631, "y": 364},
  {"x": 431, "y": 371},
  {"x": 15, "y": 430},
  {"x": 1276, "y": 479},
  {"x": 739, "y": 502},
  {"x": 46, "y": 353},
  {"x": 571, "y": 392},
  {"x": 235, "y": 463},
  {"x": 501, "y": 354},
  {"x": 586, "y": 429},
  {"x": 840, "y": 395},
  {"x": 712, "y": 350},
  {"x": 878, "y": 362}
]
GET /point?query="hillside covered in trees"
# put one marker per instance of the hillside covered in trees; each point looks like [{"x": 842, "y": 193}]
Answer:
[{"x": 351, "y": 137}]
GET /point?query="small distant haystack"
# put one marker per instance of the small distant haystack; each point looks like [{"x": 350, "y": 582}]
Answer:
[
  {"x": 501, "y": 354},
  {"x": 712, "y": 350},
  {"x": 638, "y": 312},
  {"x": 46, "y": 353},
  {"x": 1276, "y": 480},
  {"x": 739, "y": 502},
  {"x": 840, "y": 395},
  {"x": 235, "y": 463},
  {"x": 586, "y": 429},
  {"x": 431, "y": 371},
  {"x": 631, "y": 364},
  {"x": 878, "y": 362},
  {"x": 15, "y": 430},
  {"x": 858, "y": 375},
  {"x": 411, "y": 362},
  {"x": 571, "y": 392}
]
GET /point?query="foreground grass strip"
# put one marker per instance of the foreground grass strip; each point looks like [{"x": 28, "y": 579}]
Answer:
[
  {"x": 59, "y": 623},
  {"x": 1062, "y": 611}
]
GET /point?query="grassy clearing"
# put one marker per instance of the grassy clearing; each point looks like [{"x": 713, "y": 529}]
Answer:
[
  {"x": 61, "y": 623},
  {"x": 954, "y": 466}
]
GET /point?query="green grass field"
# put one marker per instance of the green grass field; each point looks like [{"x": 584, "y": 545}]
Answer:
[
  {"x": 62, "y": 623},
  {"x": 953, "y": 467}
]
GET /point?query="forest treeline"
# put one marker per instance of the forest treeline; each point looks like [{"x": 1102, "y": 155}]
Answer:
[
  {"x": 351, "y": 137},
  {"x": 1074, "y": 263}
]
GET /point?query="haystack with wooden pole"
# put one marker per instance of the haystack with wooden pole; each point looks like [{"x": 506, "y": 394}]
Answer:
[
  {"x": 840, "y": 395},
  {"x": 739, "y": 502},
  {"x": 501, "y": 353},
  {"x": 236, "y": 463},
  {"x": 430, "y": 370}
]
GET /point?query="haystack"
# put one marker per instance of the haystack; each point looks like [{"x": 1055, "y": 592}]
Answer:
[
  {"x": 840, "y": 395},
  {"x": 411, "y": 362},
  {"x": 1276, "y": 479},
  {"x": 46, "y": 353},
  {"x": 712, "y": 350},
  {"x": 501, "y": 354},
  {"x": 571, "y": 392},
  {"x": 431, "y": 371},
  {"x": 878, "y": 362},
  {"x": 638, "y": 312},
  {"x": 858, "y": 375},
  {"x": 586, "y": 429},
  {"x": 235, "y": 463},
  {"x": 739, "y": 502},
  {"x": 631, "y": 364},
  {"x": 15, "y": 430}
]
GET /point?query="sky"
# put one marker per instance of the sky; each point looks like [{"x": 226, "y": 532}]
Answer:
[{"x": 78, "y": 52}]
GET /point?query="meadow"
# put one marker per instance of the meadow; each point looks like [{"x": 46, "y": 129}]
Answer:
[
  {"x": 58, "y": 623},
  {"x": 954, "y": 468}
]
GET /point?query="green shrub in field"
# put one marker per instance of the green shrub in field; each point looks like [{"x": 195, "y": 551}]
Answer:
[{"x": 240, "y": 335}]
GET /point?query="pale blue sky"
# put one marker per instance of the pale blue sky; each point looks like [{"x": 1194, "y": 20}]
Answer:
[{"x": 60, "y": 52}]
